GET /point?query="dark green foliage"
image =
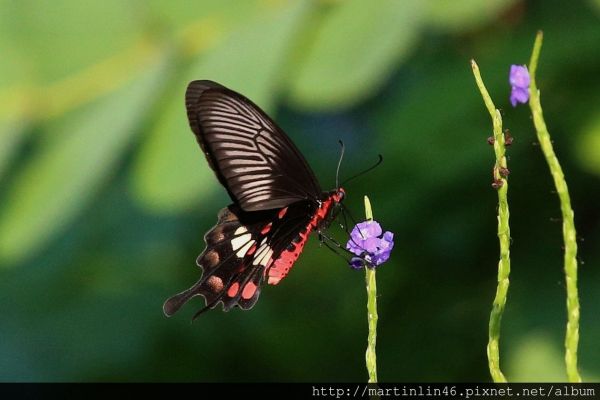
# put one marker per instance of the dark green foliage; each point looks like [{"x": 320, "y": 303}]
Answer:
[{"x": 105, "y": 196}]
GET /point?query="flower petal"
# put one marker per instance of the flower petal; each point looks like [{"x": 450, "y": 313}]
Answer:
[
  {"x": 388, "y": 237},
  {"x": 357, "y": 232},
  {"x": 519, "y": 76},
  {"x": 518, "y": 95},
  {"x": 366, "y": 230},
  {"x": 374, "y": 229},
  {"x": 355, "y": 246},
  {"x": 371, "y": 245}
]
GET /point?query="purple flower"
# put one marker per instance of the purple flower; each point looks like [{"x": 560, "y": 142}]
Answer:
[
  {"x": 367, "y": 242},
  {"x": 519, "y": 80}
]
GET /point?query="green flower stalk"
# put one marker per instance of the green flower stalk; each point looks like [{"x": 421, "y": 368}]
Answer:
[
  {"x": 371, "y": 354},
  {"x": 501, "y": 185},
  {"x": 568, "y": 227},
  {"x": 372, "y": 247}
]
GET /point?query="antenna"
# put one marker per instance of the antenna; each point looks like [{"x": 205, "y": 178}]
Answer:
[
  {"x": 365, "y": 171},
  {"x": 337, "y": 172}
]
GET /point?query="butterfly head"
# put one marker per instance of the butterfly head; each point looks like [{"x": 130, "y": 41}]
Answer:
[
  {"x": 338, "y": 195},
  {"x": 329, "y": 207}
]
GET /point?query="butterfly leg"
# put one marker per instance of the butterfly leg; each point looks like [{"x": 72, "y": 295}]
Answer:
[
  {"x": 329, "y": 242},
  {"x": 339, "y": 250},
  {"x": 347, "y": 210},
  {"x": 344, "y": 210},
  {"x": 334, "y": 248},
  {"x": 344, "y": 226},
  {"x": 332, "y": 243},
  {"x": 324, "y": 238}
]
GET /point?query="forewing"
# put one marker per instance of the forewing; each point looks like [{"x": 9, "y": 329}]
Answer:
[{"x": 252, "y": 157}]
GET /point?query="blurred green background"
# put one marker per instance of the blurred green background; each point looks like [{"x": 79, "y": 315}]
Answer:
[{"x": 105, "y": 196}]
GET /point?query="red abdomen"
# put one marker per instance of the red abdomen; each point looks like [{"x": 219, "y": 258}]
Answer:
[{"x": 282, "y": 265}]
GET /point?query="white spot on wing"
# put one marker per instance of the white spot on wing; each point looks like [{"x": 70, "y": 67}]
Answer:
[
  {"x": 263, "y": 254},
  {"x": 243, "y": 242},
  {"x": 242, "y": 252}
]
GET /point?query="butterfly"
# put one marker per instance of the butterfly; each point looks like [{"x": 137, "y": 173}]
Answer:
[{"x": 277, "y": 200}]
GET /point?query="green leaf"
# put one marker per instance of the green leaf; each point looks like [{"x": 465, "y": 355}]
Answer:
[
  {"x": 14, "y": 66},
  {"x": 60, "y": 181},
  {"x": 464, "y": 15},
  {"x": 10, "y": 137},
  {"x": 179, "y": 14},
  {"x": 170, "y": 173},
  {"x": 14, "y": 76},
  {"x": 61, "y": 37},
  {"x": 354, "y": 52}
]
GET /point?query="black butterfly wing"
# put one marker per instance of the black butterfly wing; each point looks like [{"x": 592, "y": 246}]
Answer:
[
  {"x": 241, "y": 251},
  {"x": 252, "y": 157}
]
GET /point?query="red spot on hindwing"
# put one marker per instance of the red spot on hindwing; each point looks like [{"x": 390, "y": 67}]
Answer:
[
  {"x": 249, "y": 290},
  {"x": 233, "y": 289}
]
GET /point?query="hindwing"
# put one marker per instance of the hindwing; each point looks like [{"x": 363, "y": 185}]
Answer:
[{"x": 242, "y": 250}]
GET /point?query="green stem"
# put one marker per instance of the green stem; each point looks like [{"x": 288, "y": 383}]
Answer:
[
  {"x": 371, "y": 355},
  {"x": 569, "y": 234},
  {"x": 493, "y": 348}
]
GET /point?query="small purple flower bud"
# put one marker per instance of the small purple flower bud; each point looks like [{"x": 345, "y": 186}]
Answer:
[
  {"x": 518, "y": 95},
  {"x": 519, "y": 80},
  {"x": 519, "y": 76}
]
